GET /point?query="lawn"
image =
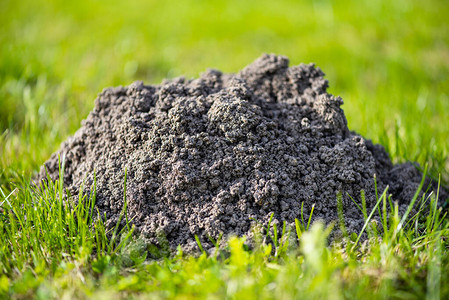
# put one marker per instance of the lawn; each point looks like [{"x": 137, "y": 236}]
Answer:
[{"x": 388, "y": 60}]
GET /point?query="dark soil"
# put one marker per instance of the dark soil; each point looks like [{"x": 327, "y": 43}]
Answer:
[{"x": 206, "y": 156}]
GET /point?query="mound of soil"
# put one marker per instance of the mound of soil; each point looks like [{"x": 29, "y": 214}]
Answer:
[{"x": 205, "y": 156}]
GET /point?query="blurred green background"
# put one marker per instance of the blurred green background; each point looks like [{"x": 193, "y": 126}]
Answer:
[{"x": 389, "y": 60}]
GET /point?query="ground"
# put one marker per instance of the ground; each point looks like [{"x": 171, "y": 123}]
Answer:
[{"x": 388, "y": 60}]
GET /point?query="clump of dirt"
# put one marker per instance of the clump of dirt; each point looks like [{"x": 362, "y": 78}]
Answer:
[{"x": 206, "y": 156}]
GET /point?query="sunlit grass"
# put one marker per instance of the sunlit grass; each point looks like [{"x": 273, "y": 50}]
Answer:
[
  {"x": 387, "y": 59},
  {"x": 54, "y": 248}
]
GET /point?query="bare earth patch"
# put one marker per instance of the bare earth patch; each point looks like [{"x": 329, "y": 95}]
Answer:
[{"x": 206, "y": 156}]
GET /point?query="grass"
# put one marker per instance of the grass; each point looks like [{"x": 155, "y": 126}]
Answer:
[
  {"x": 387, "y": 59},
  {"x": 50, "y": 250}
]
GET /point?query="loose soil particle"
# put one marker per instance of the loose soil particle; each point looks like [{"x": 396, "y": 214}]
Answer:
[{"x": 206, "y": 156}]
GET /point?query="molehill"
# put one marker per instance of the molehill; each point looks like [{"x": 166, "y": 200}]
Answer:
[{"x": 208, "y": 156}]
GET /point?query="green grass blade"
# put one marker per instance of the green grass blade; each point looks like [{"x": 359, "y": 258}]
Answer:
[
  {"x": 369, "y": 218},
  {"x": 412, "y": 203}
]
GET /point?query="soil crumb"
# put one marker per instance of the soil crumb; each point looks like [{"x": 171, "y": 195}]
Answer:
[{"x": 207, "y": 156}]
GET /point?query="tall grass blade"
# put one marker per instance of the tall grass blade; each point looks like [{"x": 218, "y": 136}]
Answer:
[
  {"x": 412, "y": 203},
  {"x": 341, "y": 218},
  {"x": 369, "y": 217}
]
